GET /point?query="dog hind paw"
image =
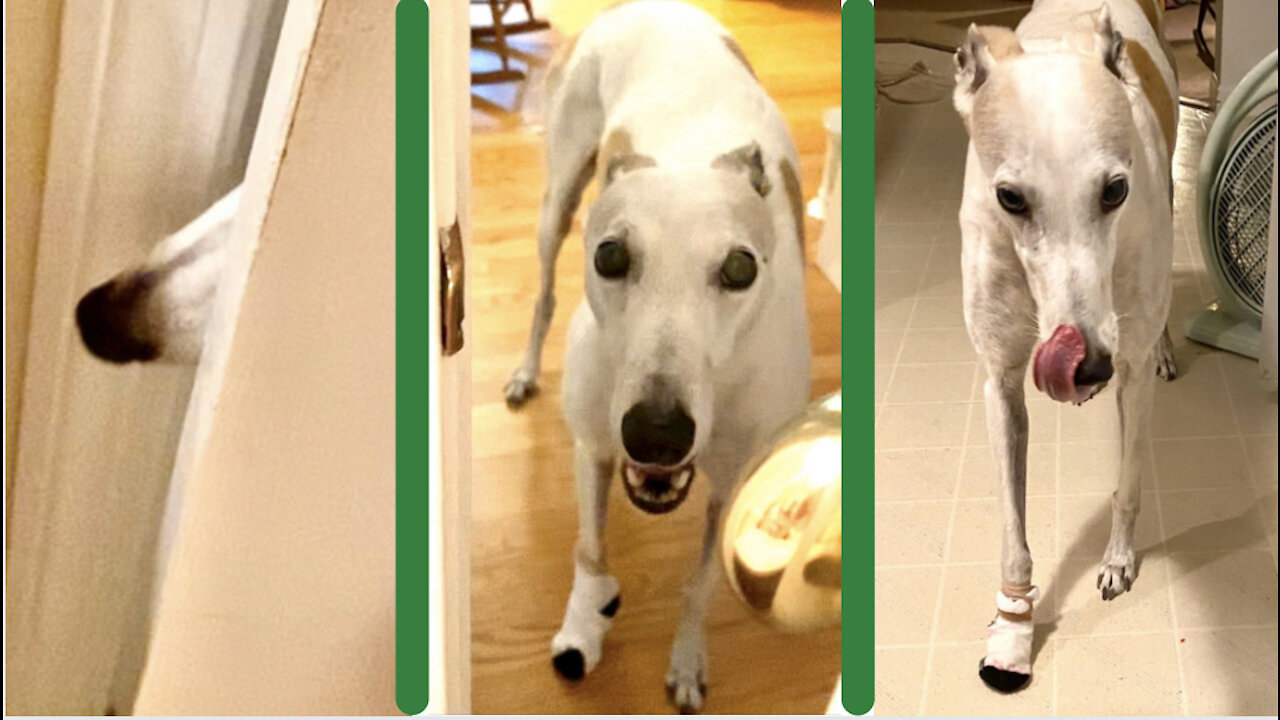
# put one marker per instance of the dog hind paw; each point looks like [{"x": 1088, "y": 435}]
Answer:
[
  {"x": 1166, "y": 363},
  {"x": 686, "y": 691},
  {"x": 519, "y": 388}
]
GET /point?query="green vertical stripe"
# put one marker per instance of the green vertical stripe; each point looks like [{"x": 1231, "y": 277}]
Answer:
[
  {"x": 413, "y": 355},
  {"x": 857, "y": 318}
]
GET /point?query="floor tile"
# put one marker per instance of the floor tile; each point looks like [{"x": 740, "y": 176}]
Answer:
[
  {"x": 1227, "y": 672},
  {"x": 903, "y": 426},
  {"x": 934, "y": 382},
  {"x": 1136, "y": 674},
  {"x": 1220, "y": 590},
  {"x": 905, "y": 603},
  {"x": 937, "y": 312},
  {"x": 937, "y": 346},
  {"x": 911, "y": 533},
  {"x": 1212, "y": 520},
  {"x": 917, "y": 474},
  {"x": 1261, "y": 454},
  {"x": 899, "y": 680},
  {"x": 1195, "y": 463},
  {"x": 1194, "y": 405}
]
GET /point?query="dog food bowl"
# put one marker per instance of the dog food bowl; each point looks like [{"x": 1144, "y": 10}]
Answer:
[{"x": 781, "y": 541}]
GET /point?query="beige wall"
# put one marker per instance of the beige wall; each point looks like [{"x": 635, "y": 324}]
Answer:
[
  {"x": 1245, "y": 34},
  {"x": 280, "y": 595},
  {"x": 31, "y": 29}
]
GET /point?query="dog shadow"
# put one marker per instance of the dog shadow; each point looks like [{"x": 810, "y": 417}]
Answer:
[{"x": 1248, "y": 526}]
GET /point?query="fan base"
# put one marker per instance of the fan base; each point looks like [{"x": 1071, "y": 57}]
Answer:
[{"x": 1214, "y": 326}]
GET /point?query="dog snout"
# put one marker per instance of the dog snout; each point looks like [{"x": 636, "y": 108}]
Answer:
[
  {"x": 657, "y": 433},
  {"x": 105, "y": 318}
]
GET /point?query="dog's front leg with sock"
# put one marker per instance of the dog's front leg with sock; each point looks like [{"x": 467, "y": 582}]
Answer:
[
  {"x": 593, "y": 602},
  {"x": 1007, "y": 665}
]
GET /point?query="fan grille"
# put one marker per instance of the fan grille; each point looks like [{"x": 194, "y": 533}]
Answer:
[{"x": 1242, "y": 209}]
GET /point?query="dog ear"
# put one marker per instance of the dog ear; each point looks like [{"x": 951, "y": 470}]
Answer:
[
  {"x": 748, "y": 160},
  {"x": 974, "y": 60},
  {"x": 625, "y": 163},
  {"x": 1108, "y": 41}
]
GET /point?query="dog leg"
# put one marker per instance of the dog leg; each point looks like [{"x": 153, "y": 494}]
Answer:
[
  {"x": 594, "y": 600},
  {"x": 1133, "y": 398},
  {"x": 687, "y": 674},
  {"x": 1007, "y": 664},
  {"x": 573, "y": 133},
  {"x": 558, "y": 205},
  {"x": 1166, "y": 366}
]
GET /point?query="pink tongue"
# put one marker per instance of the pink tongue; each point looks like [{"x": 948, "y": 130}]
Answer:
[{"x": 1055, "y": 366}]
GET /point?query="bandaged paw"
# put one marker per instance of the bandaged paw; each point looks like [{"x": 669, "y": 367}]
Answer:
[
  {"x": 594, "y": 600},
  {"x": 1007, "y": 665}
]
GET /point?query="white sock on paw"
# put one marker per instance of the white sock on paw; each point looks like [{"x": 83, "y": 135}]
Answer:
[
  {"x": 585, "y": 619},
  {"x": 1009, "y": 639}
]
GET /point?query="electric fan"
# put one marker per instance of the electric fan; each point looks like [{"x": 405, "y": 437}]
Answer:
[{"x": 1234, "y": 191}]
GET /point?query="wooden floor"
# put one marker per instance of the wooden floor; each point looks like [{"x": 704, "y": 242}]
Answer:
[{"x": 523, "y": 497}]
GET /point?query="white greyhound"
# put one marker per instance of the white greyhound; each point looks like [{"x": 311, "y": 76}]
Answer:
[
  {"x": 1067, "y": 229},
  {"x": 692, "y": 343}
]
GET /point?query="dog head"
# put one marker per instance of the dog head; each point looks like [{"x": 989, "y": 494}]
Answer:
[
  {"x": 158, "y": 310},
  {"x": 1057, "y": 149},
  {"x": 676, "y": 273}
]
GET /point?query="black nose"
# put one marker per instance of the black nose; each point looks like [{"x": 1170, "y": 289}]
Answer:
[
  {"x": 1094, "y": 369},
  {"x": 105, "y": 318},
  {"x": 657, "y": 433}
]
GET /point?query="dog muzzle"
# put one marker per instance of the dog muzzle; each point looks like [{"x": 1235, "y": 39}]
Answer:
[{"x": 654, "y": 489}]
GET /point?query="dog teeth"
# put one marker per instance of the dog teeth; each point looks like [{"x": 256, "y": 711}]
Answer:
[
  {"x": 633, "y": 478},
  {"x": 682, "y": 478}
]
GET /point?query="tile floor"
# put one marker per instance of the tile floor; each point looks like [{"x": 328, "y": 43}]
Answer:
[{"x": 1197, "y": 635}]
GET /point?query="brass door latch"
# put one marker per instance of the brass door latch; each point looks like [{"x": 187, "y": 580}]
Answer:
[{"x": 452, "y": 274}]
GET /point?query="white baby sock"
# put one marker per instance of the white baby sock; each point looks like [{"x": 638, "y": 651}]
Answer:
[{"x": 1007, "y": 665}]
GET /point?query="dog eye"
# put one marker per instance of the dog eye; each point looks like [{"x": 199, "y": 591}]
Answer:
[
  {"x": 1011, "y": 200},
  {"x": 612, "y": 259},
  {"x": 1114, "y": 193},
  {"x": 738, "y": 270}
]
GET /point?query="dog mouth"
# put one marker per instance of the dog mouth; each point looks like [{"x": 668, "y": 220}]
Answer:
[
  {"x": 655, "y": 489},
  {"x": 1055, "y": 363}
]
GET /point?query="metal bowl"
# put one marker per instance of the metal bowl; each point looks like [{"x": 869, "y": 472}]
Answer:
[{"x": 781, "y": 541}]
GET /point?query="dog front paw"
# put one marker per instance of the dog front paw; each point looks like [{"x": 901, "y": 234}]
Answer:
[
  {"x": 573, "y": 659},
  {"x": 1116, "y": 576},
  {"x": 687, "y": 676}
]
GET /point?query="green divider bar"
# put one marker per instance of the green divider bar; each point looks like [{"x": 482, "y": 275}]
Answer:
[
  {"x": 413, "y": 355},
  {"x": 857, "y": 318}
]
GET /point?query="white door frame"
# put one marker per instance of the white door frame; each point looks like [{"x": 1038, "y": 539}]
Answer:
[
  {"x": 147, "y": 129},
  {"x": 450, "y": 186}
]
